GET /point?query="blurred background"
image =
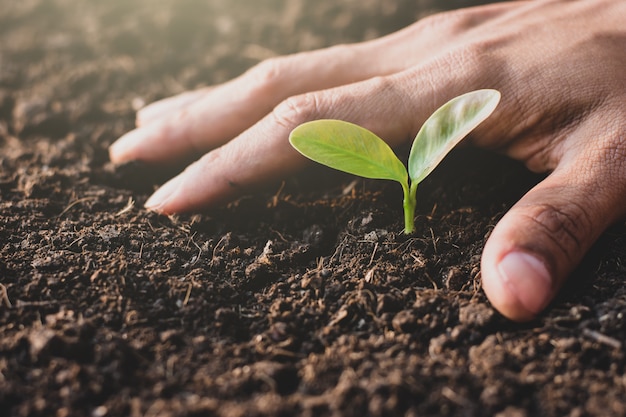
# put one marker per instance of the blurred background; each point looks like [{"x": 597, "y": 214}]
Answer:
[{"x": 179, "y": 44}]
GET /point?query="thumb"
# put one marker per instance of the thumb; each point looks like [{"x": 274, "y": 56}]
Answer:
[{"x": 540, "y": 241}]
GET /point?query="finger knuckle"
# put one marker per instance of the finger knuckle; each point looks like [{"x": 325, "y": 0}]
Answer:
[
  {"x": 382, "y": 84},
  {"x": 297, "y": 110},
  {"x": 452, "y": 22},
  {"x": 268, "y": 73},
  {"x": 568, "y": 226},
  {"x": 483, "y": 55},
  {"x": 478, "y": 58},
  {"x": 614, "y": 149}
]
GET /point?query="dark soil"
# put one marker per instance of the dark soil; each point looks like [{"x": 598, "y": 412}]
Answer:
[{"x": 301, "y": 300}]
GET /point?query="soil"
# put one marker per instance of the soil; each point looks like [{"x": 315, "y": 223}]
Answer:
[{"x": 300, "y": 300}]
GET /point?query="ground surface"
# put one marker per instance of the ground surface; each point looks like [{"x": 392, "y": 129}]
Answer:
[{"x": 295, "y": 301}]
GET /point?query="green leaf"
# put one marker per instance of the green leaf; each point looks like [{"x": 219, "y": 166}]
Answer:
[
  {"x": 446, "y": 127},
  {"x": 347, "y": 147}
]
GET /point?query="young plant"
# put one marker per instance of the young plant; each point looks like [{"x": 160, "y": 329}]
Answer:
[{"x": 350, "y": 148}]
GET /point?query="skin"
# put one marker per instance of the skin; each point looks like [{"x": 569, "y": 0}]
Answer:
[{"x": 561, "y": 68}]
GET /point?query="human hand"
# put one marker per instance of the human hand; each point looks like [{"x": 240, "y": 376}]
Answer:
[{"x": 559, "y": 65}]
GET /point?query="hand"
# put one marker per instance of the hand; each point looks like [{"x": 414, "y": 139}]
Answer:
[{"x": 559, "y": 65}]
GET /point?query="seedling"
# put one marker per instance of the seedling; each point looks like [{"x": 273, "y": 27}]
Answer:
[{"x": 353, "y": 149}]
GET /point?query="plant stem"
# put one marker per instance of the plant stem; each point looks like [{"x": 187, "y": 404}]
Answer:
[{"x": 409, "y": 208}]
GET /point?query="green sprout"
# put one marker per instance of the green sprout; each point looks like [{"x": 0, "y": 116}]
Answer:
[{"x": 353, "y": 149}]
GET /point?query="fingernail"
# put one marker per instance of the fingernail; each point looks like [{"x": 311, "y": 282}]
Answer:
[
  {"x": 119, "y": 150},
  {"x": 161, "y": 196},
  {"x": 529, "y": 280}
]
